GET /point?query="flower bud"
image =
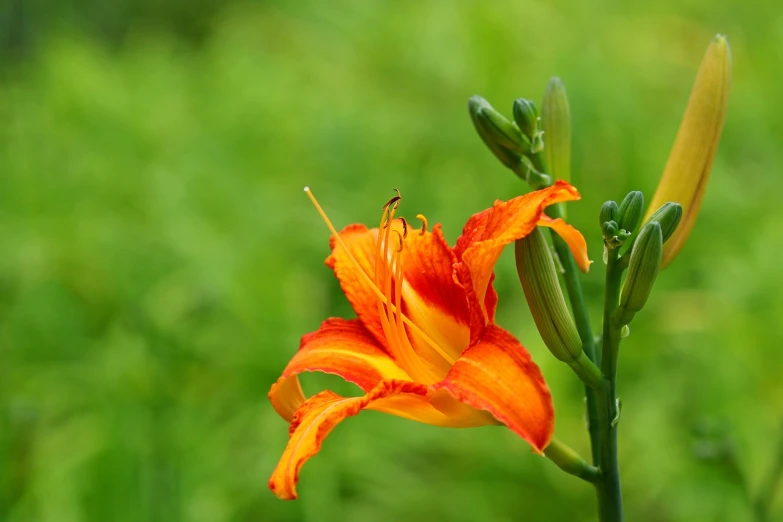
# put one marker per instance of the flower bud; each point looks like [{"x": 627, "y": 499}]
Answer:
[
  {"x": 642, "y": 270},
  {"x": 609, "y": 229},
  {"x": 631, "y": 210},
  {"x": 556, "y": 124},
  {"x": 668, "y": 216},
  {"x": 496, "y": 135},
  {"x": 609, "y": 212},
  {"x": 538, "y": 276},
  {"x": 687, "y": 170},
  {"x": 526, "y": 116}
]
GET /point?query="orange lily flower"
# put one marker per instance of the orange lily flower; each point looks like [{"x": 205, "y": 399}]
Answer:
[{"x": 424, "y": 345}]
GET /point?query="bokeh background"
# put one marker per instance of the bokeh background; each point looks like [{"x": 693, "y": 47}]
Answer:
[{"x": 159, "y": 261}]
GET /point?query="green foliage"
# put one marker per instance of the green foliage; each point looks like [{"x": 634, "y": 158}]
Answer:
[{"x": 159, "y": 260}]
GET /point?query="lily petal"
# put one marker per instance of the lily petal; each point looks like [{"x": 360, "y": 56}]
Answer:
[
  {"x": 432, "y": 297},
  {"x": 341, "y": 347},
  {"x": 498, "y": 375},
  {"x": 313, "y": 422},
  {"x": 573, "y": 238},
  {"x": 488, "y": 232},
  {"x": 361, "y": 243}
]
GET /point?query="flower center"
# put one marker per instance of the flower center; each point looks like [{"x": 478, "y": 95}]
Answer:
[{"x": 387, "y": 286}]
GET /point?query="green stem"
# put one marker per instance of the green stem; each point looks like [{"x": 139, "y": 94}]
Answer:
[
  {"x": 612, "y": 508},
  {"x": 570, "y": 461}
]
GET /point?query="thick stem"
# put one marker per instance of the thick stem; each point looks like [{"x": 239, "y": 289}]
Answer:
[{"x": 611, "y": 509}]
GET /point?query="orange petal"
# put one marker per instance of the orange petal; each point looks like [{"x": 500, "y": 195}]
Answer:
[
  {"x": 286, "y": 396},
  {"x": 340, "y": 347},
  {"x": 573, "y": 238},
  {"x": 498, "y": 375},
  {"x": 432, "y": 297},
  {"x": 361, "y": 243},
  {"x": 488, "y": 232},
  {"x": 313, "y": 422}
]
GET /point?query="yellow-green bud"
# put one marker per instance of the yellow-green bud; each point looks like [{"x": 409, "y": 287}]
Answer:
[
  {"x": 687, "y": 170},
  {"x": 556, "y": 123},
  {"x": 668, "y": 216},
  {"x": 538, "y": 276},
  {"x": 642, "y": 270},
  {"x": 631, "y": 210}
]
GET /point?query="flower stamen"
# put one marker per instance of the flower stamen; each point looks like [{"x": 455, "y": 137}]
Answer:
[
  {"x": 375, "y": 288},
  {"x": 404, "y": 228},
  {"x": 423, "y": 223}
]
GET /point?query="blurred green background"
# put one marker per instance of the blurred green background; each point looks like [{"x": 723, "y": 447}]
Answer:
[{"x": 159, "y": 261}]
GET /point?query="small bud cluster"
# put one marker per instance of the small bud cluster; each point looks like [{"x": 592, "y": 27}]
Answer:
[
  {"x": 517, "y": 144},
  {"x": 618, "y": 223},
  {"x": 645, "y": 254}
]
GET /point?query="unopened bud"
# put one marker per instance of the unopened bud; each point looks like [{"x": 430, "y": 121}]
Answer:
[
  {"x": 556, "y": 123},
  {"x": 609, "y": 212},
  {"x": 609, "y": 229},
  {"x": 642, "y": 270},
  {"x": 631, "y": 210},
  {"x": 687, "y": 170},
  {"x": 526, "y": 117},
  {"x": 492, "y": 130},
  {"x": 544, "y": 296},
  {"x": 668, "y": 216},
  {"x": 505, "y": 132}
]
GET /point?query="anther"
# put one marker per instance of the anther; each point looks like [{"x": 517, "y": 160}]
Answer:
[
  {"x": 392, "y": 201},
  {"x": 423, "y": 223},
  {"x": 404, "y": 227}
]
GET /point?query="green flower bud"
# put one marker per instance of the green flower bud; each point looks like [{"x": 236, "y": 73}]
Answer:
[
  {"x": 668, "y": 216},
  {"x": 556, "y": 123},
  {"x": 631, "y": 210},
  {"x": 609, "y": 212},
  {"x": 642, "y": 270},
  {"x": 526, "y": 116},
  {"x": 609, "y": 229},
  {"x": 538, "y": 276},
  {"x": 505, "y": 132},
  {"x": 493, "y": 132}
]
